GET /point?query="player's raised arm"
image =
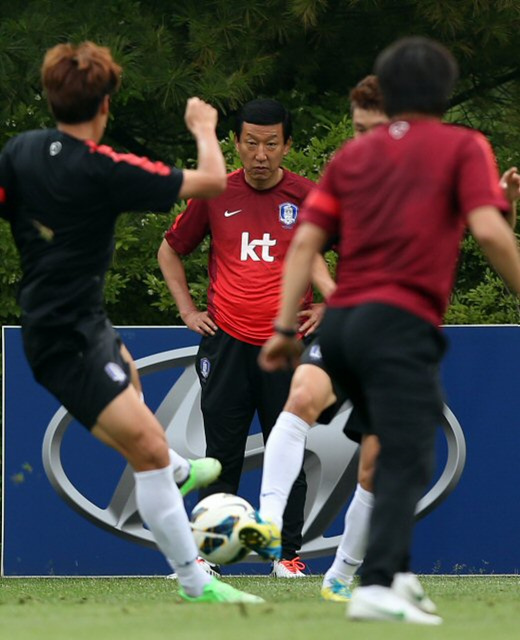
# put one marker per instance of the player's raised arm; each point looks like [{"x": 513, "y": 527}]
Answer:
[{"x": 209, "y": 178}]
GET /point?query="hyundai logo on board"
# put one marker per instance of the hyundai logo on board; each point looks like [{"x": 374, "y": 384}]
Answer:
[{"x": 330, "y": 461}]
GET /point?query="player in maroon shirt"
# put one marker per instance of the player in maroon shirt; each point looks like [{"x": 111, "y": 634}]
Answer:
[
  {"x": 250, "y": 226},
  {"x": 400, "y": 200},
  {"x": 62, "y": 192},
  {"x": 316, "y": 397}
]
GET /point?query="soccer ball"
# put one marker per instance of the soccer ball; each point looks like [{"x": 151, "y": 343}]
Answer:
[{"x": 215, "y": 521}]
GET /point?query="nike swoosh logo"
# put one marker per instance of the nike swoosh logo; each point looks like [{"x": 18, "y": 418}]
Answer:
[{"x": 228, "y": 214}]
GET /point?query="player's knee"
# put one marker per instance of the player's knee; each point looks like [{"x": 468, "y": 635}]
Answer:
[
  {"x": 302, "y": 403},
  {"x": 148, "y": 449}
]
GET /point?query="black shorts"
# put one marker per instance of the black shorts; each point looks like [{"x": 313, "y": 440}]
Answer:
[
  {"x": 312, "y": 355},
  {"x": 233, "y": 386},
  {"x": 387, "y": 361},
  {"x": 80, "y": 365}
]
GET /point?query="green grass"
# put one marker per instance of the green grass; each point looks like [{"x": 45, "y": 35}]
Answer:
[{"x": 474, "y": 608}]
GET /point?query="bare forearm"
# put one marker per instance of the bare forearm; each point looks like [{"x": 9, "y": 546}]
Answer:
[
  {"x": 209, "y": 178},
  {"x": 297, "y": 275},
  {"x": 511, "y": 215},
  {"x": 175, "y": 278},
  {"x": 210, "y": 158},
  {"x": 510, "y": 184},
  {"x": 181, "y": 295},
  {"x": 321, "y": 277},
  {"x": 299, "y": 262}
]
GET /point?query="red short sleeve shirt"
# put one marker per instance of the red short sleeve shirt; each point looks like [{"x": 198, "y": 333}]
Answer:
[
  {"x": 250, "y": 233},
  {"x": 398, "y": 198}
]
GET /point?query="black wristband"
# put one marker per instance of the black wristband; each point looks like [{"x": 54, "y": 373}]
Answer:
[{"x": 288, "y": 333}]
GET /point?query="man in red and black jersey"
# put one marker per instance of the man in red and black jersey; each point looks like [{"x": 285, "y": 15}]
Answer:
[
  {"x": 61, "y": 191},
  {"x": 400, "y": 200},
  {"x": 250, "y": 226}
]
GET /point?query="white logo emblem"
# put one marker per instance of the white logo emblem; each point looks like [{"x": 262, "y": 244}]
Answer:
[
  {"x": 114, "y": 371},
  {"x": 205, "y": 366},
  {"x": 288, "y": 212},
  {"x": 315, "y": 352},
  {"x": 399, "y": 129},
  {"x": 55, "y": 148},
  {"x": 228, "y": 214},
  {"x": 248, "y": 249}
]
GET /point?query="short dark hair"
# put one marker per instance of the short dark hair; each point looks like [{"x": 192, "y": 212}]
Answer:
[
  {"x": 76, "y": 78},
  {"x": 416, "y": 75},
  {"x": 264, "y": 111},
  {"x": 367, "y": 95}
]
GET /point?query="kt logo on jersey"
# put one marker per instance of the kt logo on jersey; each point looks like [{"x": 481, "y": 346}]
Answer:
[{"x": 256, "y": 250}]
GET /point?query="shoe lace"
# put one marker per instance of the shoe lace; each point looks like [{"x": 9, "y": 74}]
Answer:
[{"x": 294, "y": 565}]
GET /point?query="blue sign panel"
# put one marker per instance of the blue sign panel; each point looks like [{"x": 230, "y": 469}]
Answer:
[
  {"x": 69, "y": 505},
  {"x": 476, "y": 529}
]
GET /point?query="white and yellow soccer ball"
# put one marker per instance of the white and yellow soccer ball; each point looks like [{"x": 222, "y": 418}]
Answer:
[{"x": 215, "y": 522}]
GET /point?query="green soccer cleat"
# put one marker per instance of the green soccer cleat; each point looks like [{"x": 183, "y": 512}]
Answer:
[
  {"x": 202, "y": 472},
  {"x": 262, "y": 537},
  {"x": 217, "y": 591},
  {"x": 336, "y": 590}
]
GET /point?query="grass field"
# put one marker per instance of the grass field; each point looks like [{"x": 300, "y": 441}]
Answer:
[{"x": 474, "y": 608}]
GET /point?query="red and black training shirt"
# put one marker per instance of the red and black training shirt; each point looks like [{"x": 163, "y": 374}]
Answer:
[{"x": 250, "y": 233}]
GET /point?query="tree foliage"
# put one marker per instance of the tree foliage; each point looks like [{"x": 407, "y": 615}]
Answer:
[{"x": 308, "y": 53}]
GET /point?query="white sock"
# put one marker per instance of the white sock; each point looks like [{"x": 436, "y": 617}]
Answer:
[
  {"x": 161, "y": 507},
  {"x": 283, "y": 461},
  {"x": 353, "y": 545},
  {"x": 181, "y": 467}
]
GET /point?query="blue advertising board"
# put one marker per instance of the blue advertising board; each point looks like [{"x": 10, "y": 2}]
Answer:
[{"x": 69, "y": 505}]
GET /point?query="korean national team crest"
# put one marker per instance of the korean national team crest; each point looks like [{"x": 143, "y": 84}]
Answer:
[
  {"x": 288, "y": 212},
  {"x": 204, "y": 366}
]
